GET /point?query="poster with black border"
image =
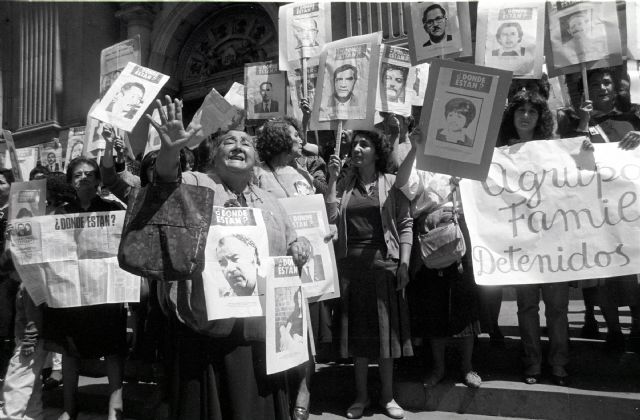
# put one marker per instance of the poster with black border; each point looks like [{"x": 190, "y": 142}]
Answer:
[
  {"x": 461, "y": 117},
  {"x": 304, "y": 28},
  {"x": 582, "y": 33},
  {"x": 285, "y": 316},
  {"x": 265, "y": 95},
  {"x": 514, "y": 38}
]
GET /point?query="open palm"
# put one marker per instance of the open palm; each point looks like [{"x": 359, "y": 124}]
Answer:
[{"x": 171, "y": 128}]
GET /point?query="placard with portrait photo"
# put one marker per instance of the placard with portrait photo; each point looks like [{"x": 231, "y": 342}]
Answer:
[
  {"x": 233, "y": 276},
  {"x": 461, "y": 118},
  {"x": 304, "y": 27},
  {"x": 114, "y": 59},
  {"x": 513, "y": 38},
  {"x": 264, "y": 91},
  {"x": 75, "y": 144},
  {"x": 51, "y": 156},
  {"x": 294, "y": 75},
  {"x": 285, "y": 316},
  {"x": 393, "y": 77},
  {"x": 129, "y": 96},
  {"x": 28, "y": 199},
  {"x": 434, "y": 30},
  {"x": 10, "y": 149},
  {"x": 582, "y": 32}
]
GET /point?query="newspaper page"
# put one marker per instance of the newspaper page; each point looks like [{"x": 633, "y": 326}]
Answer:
[
  {"x": 73, "y": 257},
  {"x": 392, "y": 95},
  {"x": 235, "y": 95},
  {"x": 13, "y": 156},
  {"x": 265, "y": 90},
  {"x": 286, "y": 316},
  {"x": 434, "y": 30},
  {"x": 51, "y": 156},
  {"x": 233, "y": 275},
  {"x": 633, "y": 70},
  {"x": 114, "y": 59},
  {"x": 28, "y": 199},
  {"x": 129, "y": 96},
  {"x": 215, "y": 115},
  {"x": 581, "y": 31},
  {"x": 305, "y": 27},
  {"x": 319, "y": 275},
  {"x": 27, "y": 160},
  {"x": 633, "y": 32},
  {"x": 551, "y": 212},
  {"x": 513, "y": 38},
  {"x": 75, "y": 143}
]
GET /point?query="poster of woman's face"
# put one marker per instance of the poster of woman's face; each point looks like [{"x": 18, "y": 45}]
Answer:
[
  {"x": 434, "y": 30},
  {"x": 456, "y": 117}
]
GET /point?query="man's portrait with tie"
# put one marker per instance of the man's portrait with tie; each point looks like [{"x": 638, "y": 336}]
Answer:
[{"x": 265, "y": 102}]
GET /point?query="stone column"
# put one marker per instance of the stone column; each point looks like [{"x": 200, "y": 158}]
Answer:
[{"x": 139, "y": 20}]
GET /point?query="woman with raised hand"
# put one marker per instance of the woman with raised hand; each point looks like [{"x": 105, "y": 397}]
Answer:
[
  {"x": 87, "y": 332},
  {"x": 374, "y": 243},
  {"x": 219, "y": 367}
]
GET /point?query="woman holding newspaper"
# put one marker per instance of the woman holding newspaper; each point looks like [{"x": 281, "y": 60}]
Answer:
[
  {"x": 87, "y": 332},
  {"x": 219, "y": 366},
  {"x": 373, "y": 249}
]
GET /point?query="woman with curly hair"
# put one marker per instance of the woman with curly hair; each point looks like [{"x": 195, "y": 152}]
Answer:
[
  {"x": 373, "y": 249},
  {"x": 527, "y": 117}
]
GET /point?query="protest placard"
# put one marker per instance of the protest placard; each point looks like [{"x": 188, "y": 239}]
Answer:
[
  {"x": 51, "y": 156},
  {"x": 286, "y": 316},
  {"x": 75, "y": 143},
  {"x": 264, "y": 91},
  {"x": 633, "y": 32},
  {"x": 233, "y": 275},
  {"x": 114, "y": 59},
  {"x": 348, "y": 72},
  {"x": 434, "y": 30},
  {"x": 417, "y": 83},
  {"x": 235, "y": 95},
  {"x": 319, "y": 275},
  {"x": 551, "y": 212},
  {"x": 461, "y": 118},
  {"x": 28, "y": 199},
  {"x": 304, "y": 28},
  {"x": 129, "y": 96},
  {"x": 633, "y": 70},
  {"x": 69, "y": 260},
  {"x": 511, "y": 38},
  {"x": 582, "y": 33},
  {"x": 294, "y": 74},
  {"x": 392, "y": 92},
  {"x": 215, "y": 115},
  {"x": 27, "y": 160},
  {"x": 13, "y": 156}
]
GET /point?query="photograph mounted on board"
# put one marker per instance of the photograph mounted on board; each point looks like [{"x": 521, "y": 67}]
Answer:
[
  {"x": 114, "y": 59},
  {"x": 461, "y": 123},
  {"x": 265, "y": 91},
  {"x": 434, "y": 30},
  {"x": 392, "y": 94},
  {"x": 75, "y": 143},
  {"x": 51, "y": 156},
  {"x": 304, "y": 29}
]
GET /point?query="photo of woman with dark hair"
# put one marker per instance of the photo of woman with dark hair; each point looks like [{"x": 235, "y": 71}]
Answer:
[{"x": 459, "y": 113}]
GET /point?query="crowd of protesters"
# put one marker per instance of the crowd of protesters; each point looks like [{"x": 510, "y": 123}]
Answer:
[{"x": 390, "y": 302}]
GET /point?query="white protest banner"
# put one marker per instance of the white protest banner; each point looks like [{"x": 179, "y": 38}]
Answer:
[
  {"x": 13, "y": 156},
  {"x": 235, "y": 95},
  {"x": 633, "y": 32},
  {"x": 71, "y": 260},
  {"x": 265, "y": 91},
  {"x": 304, "y": 28},
  {"x": 75, "y": 143},
  {"x": 127, "y": 98},
  {"x": 233, "y": 276},
  {"x": 308, "y": 216},
  {"x": 215, "y": 115},
  {"x": 28, "y": 199},
  {"x": 286, "y": 316},
  {"x": 461, "y": 118},
  {"x": 434, "y": 30},
  {"x": 392, "y": 95},
  {"x": 512, "y": 37},
  {"x": 348, "y": 73},
  {"x": 633, "y": 70},
  {"x": 545, "y": 215},
  {"x": 51, "y": 156},
  {"x": 582, "y": 32},
  {"x": 27, "y": 160},
  {"x": 114, "y": 59}
]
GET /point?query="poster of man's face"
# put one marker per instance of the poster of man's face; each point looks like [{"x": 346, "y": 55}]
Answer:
[
  {"x": 434, "y": 31},
  {"x": 306, "y": 32},
  {"x": 434, "y": 21},
  {"x": 128, "y": 100},
  {"x": 345, "y": 78},
  {"x": 51, "y": 157},
  {"x": 265, "y": 91},
  {"x": 393, "y": 82},
  {"x": 239, "y": 260}
]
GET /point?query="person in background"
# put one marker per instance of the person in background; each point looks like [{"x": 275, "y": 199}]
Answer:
[
  {"x": 187, "y": 160},
  {"x": 373, "y": 249}
]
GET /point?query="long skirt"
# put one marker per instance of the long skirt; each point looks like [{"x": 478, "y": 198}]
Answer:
[
  {"x": 375, "y": 317},
  {"x": 223, "y": 378}
]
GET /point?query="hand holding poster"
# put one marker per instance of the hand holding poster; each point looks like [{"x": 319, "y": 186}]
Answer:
[
  {"x": 113, "y": 60},
  {"x": 544, "y": 214},
  {"x": 392, "y": 95},
  {"x": 461, "y": 123},
  {"x": 264, "y": 91},
  {"x": 128, "y": 97},
  {"x": 233, "y": 275},
  {"x": 434, "y": 30},
  {"x": 71, "y": 260},
  {"x": 304, "y": 28},
  {"x": 308, "y": 216},
  {"x": 294, "y": 74},
  {"x": 286, "y": 316},
  {"x": 514, "y": 37}
]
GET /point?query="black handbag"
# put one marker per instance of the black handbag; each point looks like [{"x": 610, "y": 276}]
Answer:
[{"x": 165, "y": 231}]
